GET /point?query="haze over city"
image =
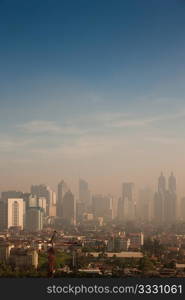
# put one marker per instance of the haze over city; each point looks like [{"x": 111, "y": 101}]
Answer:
[
  {"x": 92, "y": 90},
  {"x": 92, "y": 146}
]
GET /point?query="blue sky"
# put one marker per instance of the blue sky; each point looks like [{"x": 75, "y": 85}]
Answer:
[{"x": 92, "y": 89}]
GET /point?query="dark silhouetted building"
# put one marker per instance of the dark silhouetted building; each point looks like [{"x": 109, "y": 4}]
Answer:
[
  {"x": 69, "y": 208},
  {"x": 62, "y": 189}
]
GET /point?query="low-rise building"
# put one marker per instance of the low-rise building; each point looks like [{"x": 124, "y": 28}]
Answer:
[
  {"x": 5, "y": 251},
  {"x": 118, "y": 244},
  {"x": 23, "y": 258},
  {"x": 124, "y": 254},
  {"x": 136, "y": 240}
]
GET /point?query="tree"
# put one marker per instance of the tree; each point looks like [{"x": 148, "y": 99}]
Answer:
[{"x": 146, "y": 265}]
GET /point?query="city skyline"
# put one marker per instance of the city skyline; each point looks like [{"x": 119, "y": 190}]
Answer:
[
  {"x": 91, "y": 190},
  {"x": 92, "y": 90},
  {"x": 47, "y": 236},
  {"x": 92, "y": 147},
  {"x": 162, "y": 206}
]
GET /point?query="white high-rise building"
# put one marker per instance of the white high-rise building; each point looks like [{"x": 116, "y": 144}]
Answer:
[{"x": 15, "y": 213}]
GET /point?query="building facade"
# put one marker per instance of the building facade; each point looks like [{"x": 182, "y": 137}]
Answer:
[
  {"x": 43, "y": 191},
  {"x": 15, "y": 213},
  {"x": 62, "y": 189},
  {"x": 69, "y": 208}
]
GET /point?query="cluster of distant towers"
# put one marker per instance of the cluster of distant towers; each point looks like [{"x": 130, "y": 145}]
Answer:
[
  {"x": 160, "y": 208},
  {"x": 165, "y": 200},
  {"x": 32, "y": 210}
]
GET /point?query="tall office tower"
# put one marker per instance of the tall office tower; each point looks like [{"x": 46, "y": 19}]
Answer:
[
  {"x": 83, "y": 203},
  {"x": 80, "y": 211},
  {"x": 158, "y": 208},
  {"x": 62, "y": 189},
  {"x": 128, "y": 201},
  {"x": 15, "y": 212},
  {"x": 159, "y": 200},
  {"x": 161, "y": 184},
  {"x": 25, "y": 197},
  {"x": 54, "y": 198},
  {"x": 102, "y": 207},
  {"x": 69, "y": 208},
  {"x": 120, "y": 210},
  {"x": 165, "y": 201},
  {"x": 35, "y": 219},
  {"x": 114, "y": 207},
  {"x": 52, "y": 208},
  {"x": 172, "y": 184},
  {"x": 144, "y": 204},
  {"x": 34, "y": 201},
  {"x": 170, "y": 206},
  {"x": 84, "y": 193},
  {"x": 182, "y": 209},
  {"x": 35, "y": 213},
  {"x": 46, "y": 192}
]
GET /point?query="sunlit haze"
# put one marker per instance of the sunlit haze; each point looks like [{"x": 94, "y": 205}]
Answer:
[{"x": 93, "y": 90}]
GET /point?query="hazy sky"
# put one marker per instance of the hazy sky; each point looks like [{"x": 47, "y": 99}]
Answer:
[{"x": 92, "y": 89}]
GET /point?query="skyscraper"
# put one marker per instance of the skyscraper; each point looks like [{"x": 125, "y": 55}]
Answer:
[
  {"x": 165, "y": 200},
  {"x": 62, "y": 189},
  {"x": 144, "y": 204},
  {"x": 34, "y": 201},
  {"x": 120, "y": 210},
  {"x": 69, "y": 208},
  {"x": 128, "y": 201},
  {"x": 159, "y": 200},
  {"x": 161, "y": 184},
  {"x": 35, "y": 219},
  {"x": 170, "y": 207},
  {"x": 158, "y": 208},
  {"x": 15, "y": 213},
  {"x": 171, "y": 200},
  {"x": 102, "y": 206},
  {"x": 46, "y": 192},
  {"x": 84, "y": 193},
  {"x": 172, "y": 183}
]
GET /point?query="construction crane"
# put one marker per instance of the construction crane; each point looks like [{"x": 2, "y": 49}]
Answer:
[{"x": 51, "y": 256}]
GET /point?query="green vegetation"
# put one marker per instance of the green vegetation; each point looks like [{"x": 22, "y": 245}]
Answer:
[
  {"x": 146, "y": 265},
  {"x": 62, "y": 258}
]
